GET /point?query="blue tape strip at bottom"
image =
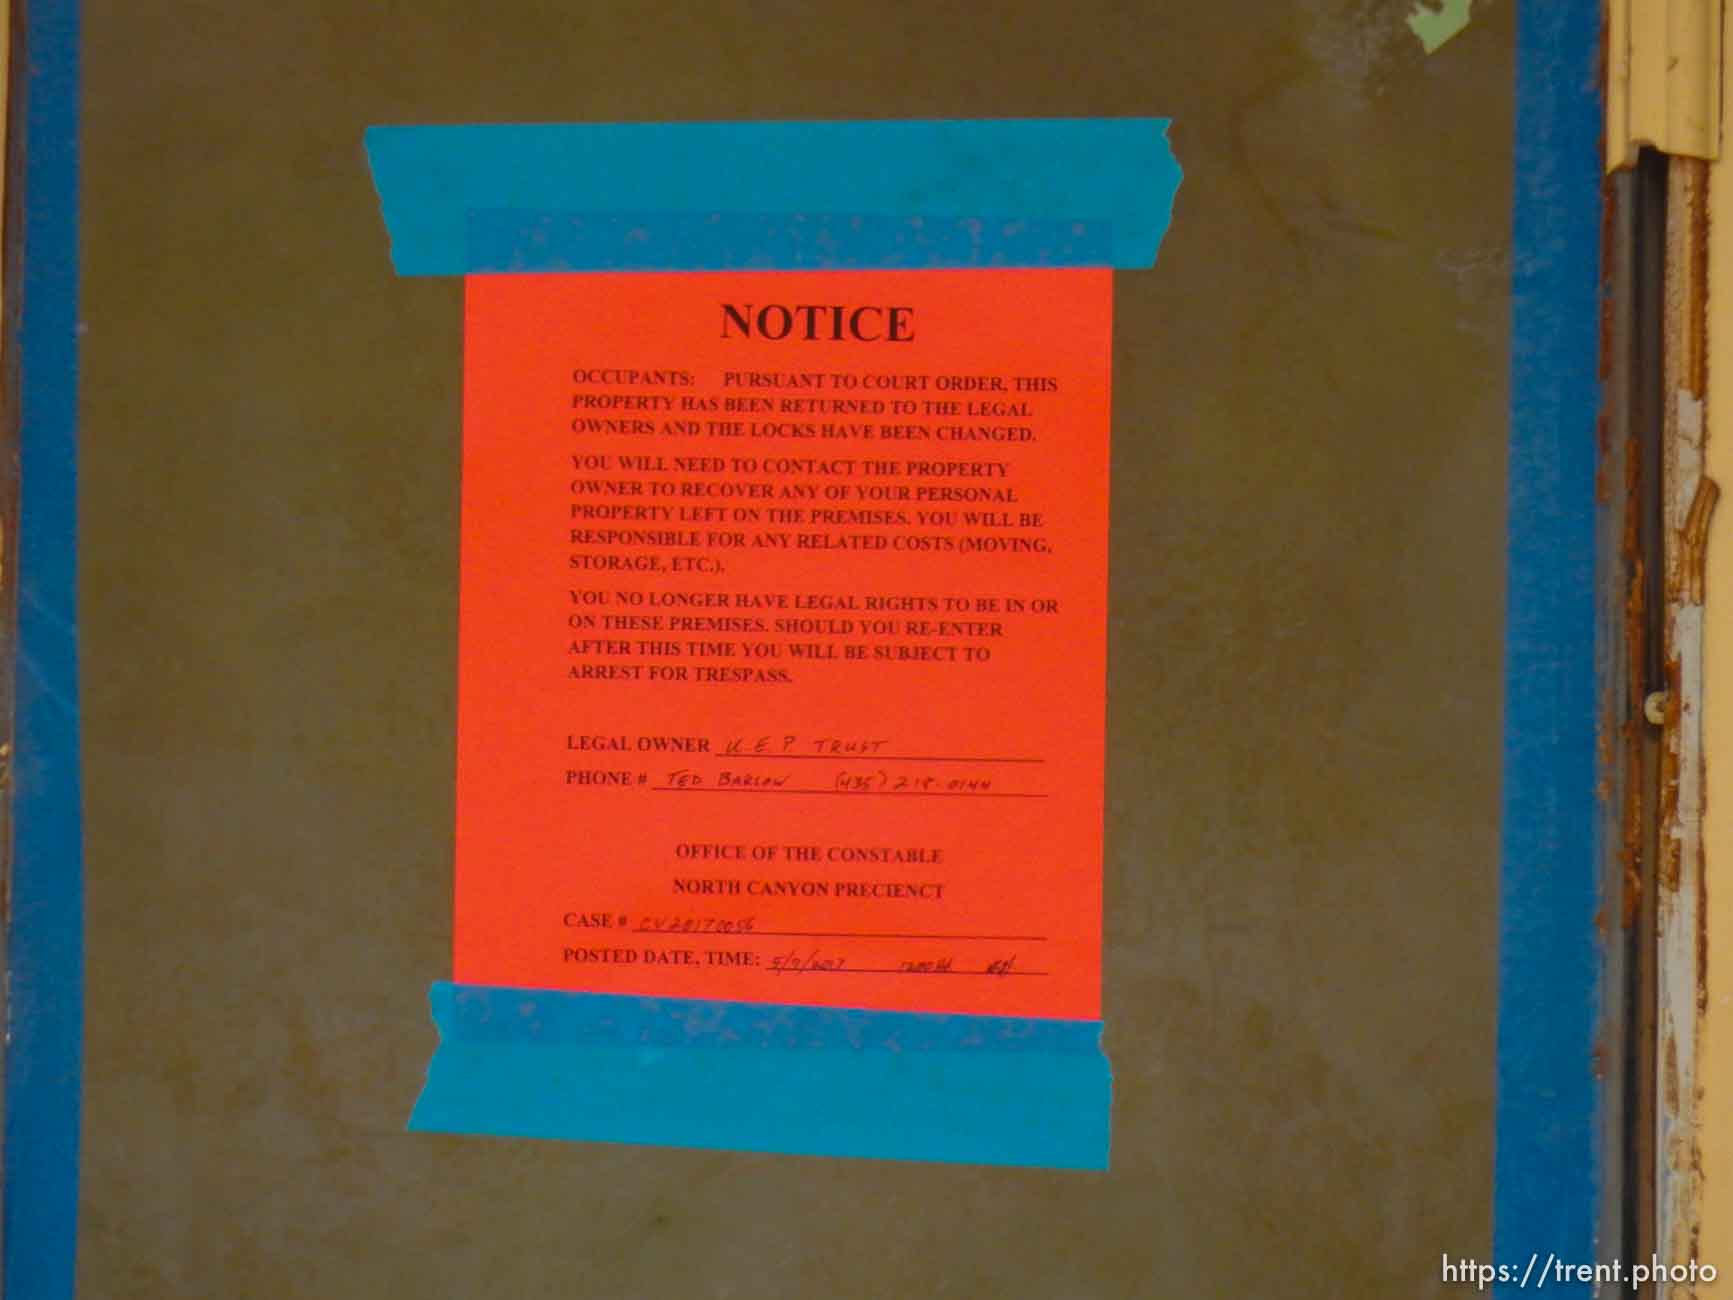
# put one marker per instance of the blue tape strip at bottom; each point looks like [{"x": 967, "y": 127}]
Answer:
[{"x": 749, "y": 1077}]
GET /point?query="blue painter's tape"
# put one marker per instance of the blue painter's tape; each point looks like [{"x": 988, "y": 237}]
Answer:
[
  {"x": 748, "y": 1077},
  {"x": 715, "y": 196},
  {"x": 1550, "y": 1115},
  {"x": 657, "y": 241},
  {"x": 45, "y": 931},
  {"x": 771, "y": 196}
]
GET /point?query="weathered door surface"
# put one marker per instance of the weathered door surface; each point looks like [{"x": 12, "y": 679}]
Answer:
[{"x": 1304, "y": 659}]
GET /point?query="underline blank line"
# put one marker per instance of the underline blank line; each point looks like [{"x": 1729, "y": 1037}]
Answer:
[
  {"x": 879, "y": 758},
  {"x": 843, "y": 934},
  {"x": 876, "y": 970},
  {"x": 845, "y": 794}
]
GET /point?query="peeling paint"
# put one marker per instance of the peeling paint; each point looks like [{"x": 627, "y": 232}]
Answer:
[
  {"x": 1436, "y": 26},
  {"x": 1670, "y": 1073},
  {"x": 1688, "y": 503}
]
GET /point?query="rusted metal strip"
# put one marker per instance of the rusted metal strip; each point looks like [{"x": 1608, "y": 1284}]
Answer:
[{"x": 1632, "y": 688}]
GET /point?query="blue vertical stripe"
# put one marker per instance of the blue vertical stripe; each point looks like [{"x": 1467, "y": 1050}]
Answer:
[
  {"x": 1550, "y": 1118},
  {"x": 45, "y": 943}
]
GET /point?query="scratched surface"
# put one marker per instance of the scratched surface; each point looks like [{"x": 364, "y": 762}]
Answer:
[{"x": 1304, "y": 661}]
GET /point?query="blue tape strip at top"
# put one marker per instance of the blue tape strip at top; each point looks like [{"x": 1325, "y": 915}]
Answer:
[
  {"x": 507, "y": 241},
  {"x": 45, "y": 933},
  {"x": 748, "y": 1077},
  {"x": 723, "y": 196},
  {"x": 1549, "y": 1121}
]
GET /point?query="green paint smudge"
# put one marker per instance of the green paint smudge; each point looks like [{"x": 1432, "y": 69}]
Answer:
[{"x": 1435, "y": 26}]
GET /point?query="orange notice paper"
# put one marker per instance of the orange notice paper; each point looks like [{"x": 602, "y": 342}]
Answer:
[{"x": 783, "y": 637}]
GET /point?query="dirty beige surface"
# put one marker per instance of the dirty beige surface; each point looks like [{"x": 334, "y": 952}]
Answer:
[{"x": 1305, "y": 647}]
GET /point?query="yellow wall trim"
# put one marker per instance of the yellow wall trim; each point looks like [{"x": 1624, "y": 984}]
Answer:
[{"x": 1663, "y": 78}]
